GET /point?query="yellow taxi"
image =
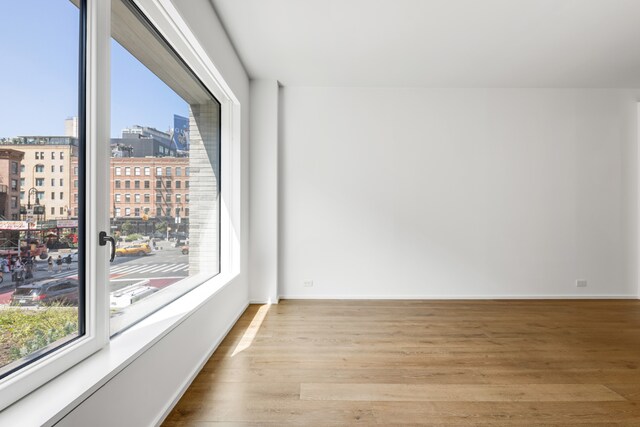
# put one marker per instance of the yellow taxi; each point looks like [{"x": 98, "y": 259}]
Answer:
[{"x": 139, "y": 249}]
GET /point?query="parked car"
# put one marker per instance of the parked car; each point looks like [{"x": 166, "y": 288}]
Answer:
[
  {"x": 185, "y": 250},
  {"x": 47, "y": 292},
  {"x": 139, "y": 249}
]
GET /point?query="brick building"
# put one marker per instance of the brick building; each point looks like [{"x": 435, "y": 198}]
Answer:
[{"x": 146, "y": 190}]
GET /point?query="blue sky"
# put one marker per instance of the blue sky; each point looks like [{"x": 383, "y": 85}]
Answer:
[{"x": 38, "y": 76}]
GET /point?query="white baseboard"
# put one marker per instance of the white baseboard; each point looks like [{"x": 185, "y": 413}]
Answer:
[{"x": 454, "y": 297}]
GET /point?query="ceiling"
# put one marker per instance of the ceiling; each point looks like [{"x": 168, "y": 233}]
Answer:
[{"x": 437, "y": 43}]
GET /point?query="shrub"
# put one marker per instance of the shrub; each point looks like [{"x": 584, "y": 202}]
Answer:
[
  {"x": 133, "y": 237},
  {"x": 24, "y": 331}
]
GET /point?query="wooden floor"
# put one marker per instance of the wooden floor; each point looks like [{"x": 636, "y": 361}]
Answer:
[{"x": 519, "y": 363}]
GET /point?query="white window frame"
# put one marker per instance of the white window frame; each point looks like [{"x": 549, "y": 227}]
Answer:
[
  {"x": 39, "y": 372},
  {"x": 56, "y": 384}
]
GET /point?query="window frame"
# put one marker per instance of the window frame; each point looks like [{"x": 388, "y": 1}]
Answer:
[
  {"x": 71, "y": 386},
  {"x": 93, "y": 335}
]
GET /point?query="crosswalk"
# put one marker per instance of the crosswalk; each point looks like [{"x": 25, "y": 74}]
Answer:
[
  {"x": 125, "y": 269},
  {"x": 149, "y": 268}
]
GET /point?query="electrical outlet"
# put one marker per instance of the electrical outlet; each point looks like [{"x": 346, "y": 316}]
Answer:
[
  {"x": 308, "y": 283},
  {"x": 581, "y": 283}
]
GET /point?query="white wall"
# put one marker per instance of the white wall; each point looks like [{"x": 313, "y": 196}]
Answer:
[
  {"x": 263, "y": 219},
  {"x": 420, "y": 193},
  {"x": 142, "y": 393}
]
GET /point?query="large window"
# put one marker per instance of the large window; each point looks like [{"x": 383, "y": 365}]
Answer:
[
  {"x": 41, "y": 307},
  {"x": 164, "y": 254},
  {"x": 65, "y": 300}
]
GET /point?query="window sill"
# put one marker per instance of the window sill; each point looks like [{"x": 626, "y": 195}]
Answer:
[{"x": 59, "y": 396}]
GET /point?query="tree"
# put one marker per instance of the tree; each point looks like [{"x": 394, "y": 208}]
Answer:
[
  {"x": 127, "y": 228},
  {"x": 161, "y": 226}
]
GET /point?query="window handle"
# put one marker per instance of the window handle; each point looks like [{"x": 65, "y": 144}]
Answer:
[{"x": 103, "y": 239}]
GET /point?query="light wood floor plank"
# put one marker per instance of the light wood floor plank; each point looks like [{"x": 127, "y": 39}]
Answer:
[
  {"x": 449, "y": 363},
  {"x": 458, "y": 392}
]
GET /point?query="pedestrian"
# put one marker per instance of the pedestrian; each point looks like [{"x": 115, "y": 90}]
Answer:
[
  {"x": 29, "y": 268},
  {"x": 58, "y": 264},
  {"x": 50, "y": 264},
  {"x": 67, "y": 261}
]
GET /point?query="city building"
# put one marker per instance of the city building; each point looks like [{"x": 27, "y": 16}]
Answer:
[
  {"x": 142, "y": 141},
  {"x": 10, "y": 161},
  {"x": 45, "y": 172},
  {"x": 146, "y": 190},
  {"x": 71, "y": 127}
]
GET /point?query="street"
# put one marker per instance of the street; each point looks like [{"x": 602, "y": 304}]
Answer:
[{"x": 162, "y": 267}]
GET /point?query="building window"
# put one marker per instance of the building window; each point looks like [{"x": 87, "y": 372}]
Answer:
[
  {"x": 53, "y": 182},
  {"x": 39, "y": 182},
  {"x": 40, "y": 195},
  {"x": 186, "y": 197},
  {"x": 127, "y": 211},
  {"x": 158, "y": 198},
  {"x": 136, "y": 198},
  {"x": 61, "y": 182},
  {"x": 178, "y": 171},
  {"x": 158, "y": 171},
  {"x": 127, "y": 198},
  {"x": 21, "y": 182},
  {"x": 186, "y": 211},
  {"x": 147, "y": 171},
  {"x": 53, "y": 211},
  {"x": 127, "y": 171},
  {"x": 167, "y": 184},
  {"x": 178, "y": 184},
  {"x": 14, "y": 168},
  {"x": 53, "y": 155},
  {"x": 22, "y": 168},
  {"x": 75, "y": 197},
  {"x": 158, "y": 212},
  {"x": 37, "y": 153},
  {"x": 186, "y": 184},
  {"x": 61, "y": 195},
  {"x": 136, "y": 212},
  {"x": 187, "y": 171},
  {"x": 53, "y": 195},
  {"x": 147, "y": 198},
  {"x": 168, "y": 171},
  {"x": 136, "y": 184},
  {"x": 22, "y": 195},
  {"x": 158, "y": 184},
  {"x": 117, "y": 183},
  {"x": 14, "y": 185},
  {"x": 147, "y": 184},
  {"x": 127, "y": 184},
  {"x": 14, "y": 202},
  {"x": 61, "y": 169},
  {"x": 136, "y": 171},
  {"x": 75, "y": 170},
  {"x": 167, "y": 197},
  {"x": 75, "y": 183},
  {"x": 178, "y": 198},
  {"x": 62, "y": 155},
  {"x": 118, "y": 171},
  {"x": 117, "y": 212},
  {"x": 118, "y": 197},
  {"x": 61, "y": 211},
  {"x": 39, "y": 168}
]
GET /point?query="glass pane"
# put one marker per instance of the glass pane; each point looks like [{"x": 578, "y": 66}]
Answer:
[
  {"x": 163, "y": 122},
  {"x": 39, "y": 286}
]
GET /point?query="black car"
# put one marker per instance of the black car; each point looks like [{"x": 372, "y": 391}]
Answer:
[{"x": 47, "y": 292}]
